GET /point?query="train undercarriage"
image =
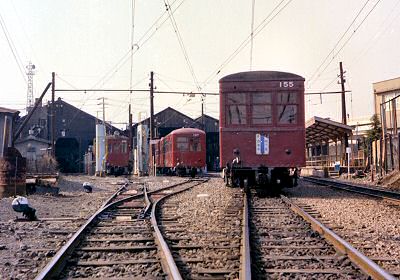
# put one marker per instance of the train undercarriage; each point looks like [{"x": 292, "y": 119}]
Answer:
[
  {"x": 273, "y": 178},
  {"x": 180, "y": 171}
]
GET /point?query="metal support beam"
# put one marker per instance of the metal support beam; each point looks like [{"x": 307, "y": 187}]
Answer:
[{"x": 28, "y": 117}]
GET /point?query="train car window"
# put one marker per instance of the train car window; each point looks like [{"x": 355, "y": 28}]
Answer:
[
  {"x": 236, "y": 114},
  {"x": 194, "y": 145},
  {"x": 116, "y": 148},
  {"x": 236, "y": 98},
  {"x": 287, "y": 98},
  {"x": 261, "y": 112},
  {"x": 166, "y": 146},
  {"x": 182, "y": 144},
  {"x": 262, "y": 98},
  {"x": 287, "y": 114},
  {"x": 236, "y": 108},
  {"x": 287, "y": 107},
  {"x": 124, "y": 146},
  {"x": 110, "y": 149}
]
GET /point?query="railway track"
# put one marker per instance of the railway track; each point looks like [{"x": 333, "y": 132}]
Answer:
[
  {"x": 367, "y": 220},
  {"x": 119, "y": 241},
  {"x": 373, "y": 192},
  {"x": 286, "y": 242},
  {"x": 204, "y": 245}
]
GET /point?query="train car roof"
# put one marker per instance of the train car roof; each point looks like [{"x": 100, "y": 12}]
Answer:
[
  {"x": 260, "y": 76},
  {"x": 185, "y": 130}
]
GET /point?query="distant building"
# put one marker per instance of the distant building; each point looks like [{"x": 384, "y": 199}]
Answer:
[
  {"x": 74, "y": 132},
  {"x": 384, "y": 91},
  {"x": 7, "y": 125},
  {"x": 12, "y": 165},
  {"x": 387, "y": 98},
  {"x": 211, "y": 126}
]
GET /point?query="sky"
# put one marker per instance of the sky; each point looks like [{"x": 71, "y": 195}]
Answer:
[{"x": 102, "y": 44}]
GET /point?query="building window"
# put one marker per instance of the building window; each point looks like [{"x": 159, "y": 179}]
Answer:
[{"x": 42, "y": 122}]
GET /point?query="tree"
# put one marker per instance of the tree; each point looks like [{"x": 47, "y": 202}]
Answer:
[{"x": 375, "y": 133}]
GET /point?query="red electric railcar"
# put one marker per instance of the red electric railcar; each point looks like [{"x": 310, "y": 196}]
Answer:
[
  {"x": 262, "y": 128},
  {"x": 117, "y": 156},
  {"x": 182, "y": 152}
]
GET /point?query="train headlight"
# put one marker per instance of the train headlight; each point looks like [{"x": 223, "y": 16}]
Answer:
[{"x": 288, "y": 151}]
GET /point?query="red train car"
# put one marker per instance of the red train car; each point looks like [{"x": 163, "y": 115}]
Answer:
[
  {"x": 262, "y": 128},
  {"x": 117, "y": 155},
  {"x": 183, "y": 151}
]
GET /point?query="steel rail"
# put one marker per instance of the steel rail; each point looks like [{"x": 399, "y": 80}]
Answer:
[
  {"x": 373, "y": 192},
  {"x": 245, "y": 271},
  {"x": 57, "y": 263},
  {"x": 108, "y": 201},
  {"x": 169, "y": 264},
  {"x": 360, "y": 260}
]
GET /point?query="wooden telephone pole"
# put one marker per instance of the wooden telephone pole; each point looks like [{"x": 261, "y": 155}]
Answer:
[
  {"x": 151, "y": 125},
  {"x": 344, "y": 114}
]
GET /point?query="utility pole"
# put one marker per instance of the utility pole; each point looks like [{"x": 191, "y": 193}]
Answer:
[
  {"x": 130, "y": 146},
  {"x": 151, "y": 105},
  {"x": 53, "y": 115},
  {"x": 342, "y": 81},
  {"x": 151, "y": 161},
  {"x": 344, "y": 115},
  {"x": 202, "y": 114},
  {"x": 104, "y": 113}
]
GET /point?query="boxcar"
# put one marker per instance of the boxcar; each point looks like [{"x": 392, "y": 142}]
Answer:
[
  {"x": 181, "y": 152},
  {"x": 262, "y": 128}
]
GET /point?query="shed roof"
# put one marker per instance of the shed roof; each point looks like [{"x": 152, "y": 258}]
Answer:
[
  {"x": 32, "y": 138},
  {"x": 6, "y": 110},
  {"x": 319, "y": 129}
]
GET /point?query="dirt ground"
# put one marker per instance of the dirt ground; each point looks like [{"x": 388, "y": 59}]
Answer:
[
  {"x": 390, "y": 181},
  {"x": 25, "y": 247}
]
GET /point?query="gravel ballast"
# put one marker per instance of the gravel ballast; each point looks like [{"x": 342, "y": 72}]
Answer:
[
  {"x": 26, "y": 247},
  {"x": 369, "y": 224}
]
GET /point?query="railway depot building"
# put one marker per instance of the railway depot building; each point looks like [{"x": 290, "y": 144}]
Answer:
[
  {"x": 74, "y": 133},
  {"x": 385, "y": 155}
]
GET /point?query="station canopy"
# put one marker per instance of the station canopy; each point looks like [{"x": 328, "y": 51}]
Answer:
[{"x": 319, "y": 129}]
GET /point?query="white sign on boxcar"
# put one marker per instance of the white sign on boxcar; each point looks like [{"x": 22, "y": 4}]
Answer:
[{"x": 262, "y": 144}]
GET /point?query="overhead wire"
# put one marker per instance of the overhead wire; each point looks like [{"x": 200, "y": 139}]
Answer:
[
  {"x": 379, "y": 33},
  {"x": 337, "y": 43},
  {"x": 253, "y": 4},
  {"x": 132, "y": 50},
  {"x": 13, "y": 49},
  {"x": 267, "y": 20},
  {"x": 133, "y": 3},
  {"x": 136, "y": 46},
  {"x": 181, "y": 43},
  {"x": 351, "y": 35}
]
